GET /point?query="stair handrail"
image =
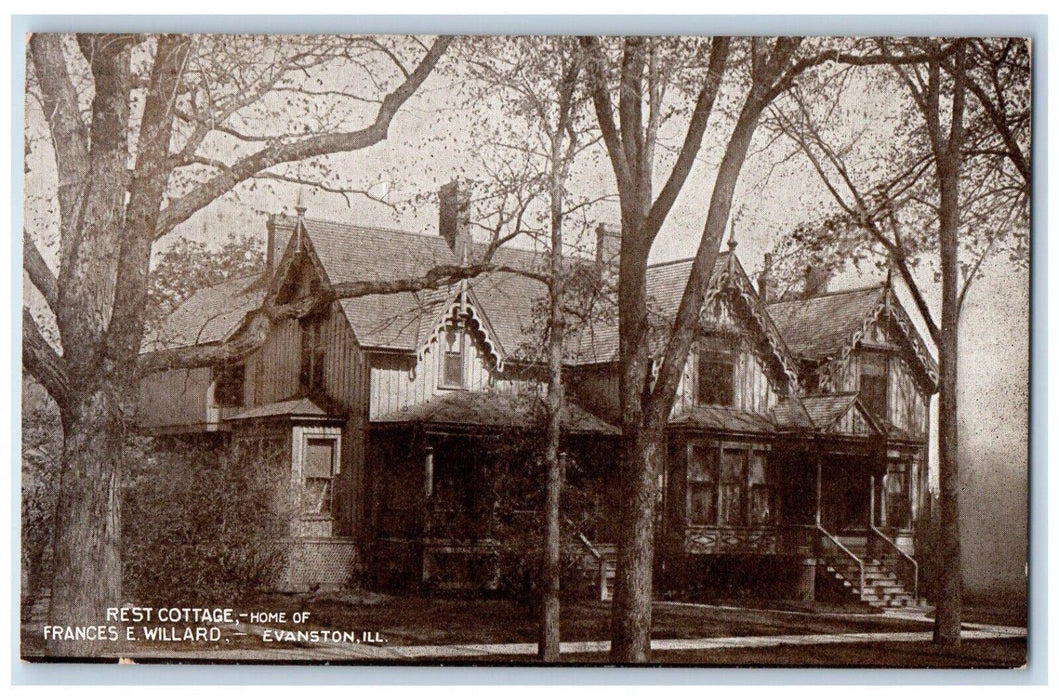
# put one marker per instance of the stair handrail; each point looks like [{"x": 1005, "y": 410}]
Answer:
[
  {"x": 902, "y": 555},
  {"x": 835, "y": 541},
  {"x": 585, "y": 542},
  {"x": 601, "y": 564}
]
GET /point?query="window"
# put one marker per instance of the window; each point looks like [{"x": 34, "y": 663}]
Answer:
[
  {"x": 313, "y": 353},
  {"x": 733, "y": 487},
  {"x": 318, "y": 472},
  {"x": 760, "y": 491},
  {"x": 452, "y": 359},
  {"x": 873, "y": 384},
  {"x": 728, "y": 486},
  {"x": 228, "y": 387},
  {"x": 702, "y": 485},
  {"x": 716, "y": 370}
]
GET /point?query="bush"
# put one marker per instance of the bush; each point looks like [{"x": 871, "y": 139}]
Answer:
[
  {"x": 42, "y": 444},
  {"x": 200, "y": 526}
]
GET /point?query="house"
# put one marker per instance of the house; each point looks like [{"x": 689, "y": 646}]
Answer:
[{"x": 796, "y": 449}]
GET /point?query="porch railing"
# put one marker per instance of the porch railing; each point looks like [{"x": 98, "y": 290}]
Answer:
[
  {"x": 881, "y": 547},
  {"x": 840, "y": 558},
  {"x": 905, "y": 568}
]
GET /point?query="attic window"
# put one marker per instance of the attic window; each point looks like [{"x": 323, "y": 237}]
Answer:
[
  {"x": 874, "y": 368},
  {"x": 452, "y": 364},
  {"x": 313, "y": 353},
  {"x": 716, "y": 373}
]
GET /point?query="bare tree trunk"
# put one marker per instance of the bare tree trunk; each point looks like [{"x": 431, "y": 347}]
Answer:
[
  {"x": 948, "y": 160},
  {"x": 548, "y": 647},
  {"x": 86, "y": 572},
  {"x": 631, "y": 612}
]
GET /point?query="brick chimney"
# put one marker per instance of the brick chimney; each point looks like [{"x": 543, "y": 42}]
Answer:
[
  {"x": 815, "y": 280},
  {"x": 278, "y": 235},
  {"x": 608, "y": 248},
  {"x": 454, "y": 218},
  {"x": 764, "y": 280}
]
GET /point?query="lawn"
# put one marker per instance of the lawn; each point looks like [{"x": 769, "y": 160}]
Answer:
[
  {"x": 979, "y": 653},
  {"x": 413, "y": 619}
]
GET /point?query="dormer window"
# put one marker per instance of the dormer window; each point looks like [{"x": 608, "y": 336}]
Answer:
[
  {"x": 716, "y": 373},
  {"x": 874, "y": 371},
  {"x": 452, "y": 364}
]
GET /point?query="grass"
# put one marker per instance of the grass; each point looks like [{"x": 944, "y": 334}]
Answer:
[
  {"x": 979, "y": 653},
  {"x": 411, "y": 619},
  {"x": 423, "y": 620}
]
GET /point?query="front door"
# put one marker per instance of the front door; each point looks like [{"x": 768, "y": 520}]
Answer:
[{"x": 846, "y": 494}]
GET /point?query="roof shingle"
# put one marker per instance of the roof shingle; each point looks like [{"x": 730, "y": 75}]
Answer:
[
  {"x": 492, "y": 409},
  {"x": 821, "y": 326},
  {"x": 208, "y": 315}
]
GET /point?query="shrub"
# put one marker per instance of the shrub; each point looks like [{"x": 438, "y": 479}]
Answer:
[
  {"x": 42, "y": 444},
  {"x": 199, "y": 525}
]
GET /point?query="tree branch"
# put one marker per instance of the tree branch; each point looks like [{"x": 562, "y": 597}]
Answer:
[
  {"x": 693, "y": 139},
  {"x": 42, "y": 362},
  {"x": 68, "y": 131},
  {"x": 255, "y": 327},
  {"x": 39, "y": 273},
  {"x": 182, "y": 209}
]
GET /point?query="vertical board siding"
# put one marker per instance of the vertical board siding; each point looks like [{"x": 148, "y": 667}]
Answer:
[
  {"x": 751, "y": 389},
  {"x": 272, "y": 369},
  {"x": 175, "y": 397},
  {"x": 906, "y": 400},
  {"x": 401, "y": 380}
]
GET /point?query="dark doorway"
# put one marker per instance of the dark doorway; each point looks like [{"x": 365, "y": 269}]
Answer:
[{"x": 846, "y": 493}]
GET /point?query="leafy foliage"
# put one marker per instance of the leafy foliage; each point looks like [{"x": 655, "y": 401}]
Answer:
[
  {"x": 190, "y": 265},
  {"x": 200, "y": 526},
  {"x": 41, "y": 451}
]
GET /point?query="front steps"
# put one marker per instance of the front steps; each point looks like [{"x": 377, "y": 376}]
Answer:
[
  {"x": 607, "y": 571},
  {"x": 881, "y": 587}
]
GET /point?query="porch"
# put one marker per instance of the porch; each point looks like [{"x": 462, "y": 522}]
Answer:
[{"x": 456, "y": 489}]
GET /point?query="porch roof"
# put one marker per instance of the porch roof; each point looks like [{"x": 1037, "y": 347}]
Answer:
[
  {"x": 821, "y": 412},
  {"x": 293, "y": 408},
  {"x": 723, "y": 418},
  {"x": 490, "y": 409}
]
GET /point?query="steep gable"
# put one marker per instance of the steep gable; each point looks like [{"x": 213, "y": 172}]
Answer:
[{"x": 826, "y": 328}]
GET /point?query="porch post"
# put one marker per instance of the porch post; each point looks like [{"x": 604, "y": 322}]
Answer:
[
  {"x": 428, "y": 473},
  {"x": 819, "y": 488},
  {"x": 871, "y": 501}
]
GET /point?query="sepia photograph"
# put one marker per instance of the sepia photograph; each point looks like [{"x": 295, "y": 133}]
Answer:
[{"x": 575, "y": 349}]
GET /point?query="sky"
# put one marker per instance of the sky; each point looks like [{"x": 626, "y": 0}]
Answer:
[{"x": 429, "y": 143}]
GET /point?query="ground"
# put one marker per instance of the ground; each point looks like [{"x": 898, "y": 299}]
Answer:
[{"x": 419, "y": 629}]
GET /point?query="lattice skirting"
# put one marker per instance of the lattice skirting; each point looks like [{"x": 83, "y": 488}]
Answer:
[
  {"x": 324, "y": 563},
  {"x": 731, "y": 541}
]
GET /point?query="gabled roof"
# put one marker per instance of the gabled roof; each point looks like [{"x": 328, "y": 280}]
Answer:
[
  {"x": 829, "y": 326},
  {"x": 821, "y": 412},
  {"x": 819, "y": 327},
  {"x": 207, "y": 316},
  {"x": 598, "y": 341},
  {"x": 401, "y": 321},
  {"x": 491, "y": 409}
]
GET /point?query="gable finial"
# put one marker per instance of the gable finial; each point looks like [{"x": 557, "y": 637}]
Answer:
[{"x": 299, "y": 206}]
